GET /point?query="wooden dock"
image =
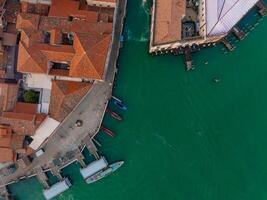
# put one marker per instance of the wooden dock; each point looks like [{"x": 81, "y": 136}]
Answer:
[
  {"x": 91, "y": 147},
  {"x": 4, "y": 194},
  {"x": 240, "y": 35},
  {"x": 188, "y": 59},
  {"x": 41, "y": 176},
  {"x": 56, "y": 171},
  {"x": 261, "y": 5},
  {"x": 228, "y": 45}
]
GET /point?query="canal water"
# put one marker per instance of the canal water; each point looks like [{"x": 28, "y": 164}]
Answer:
[{"x": 184, "y": 136}]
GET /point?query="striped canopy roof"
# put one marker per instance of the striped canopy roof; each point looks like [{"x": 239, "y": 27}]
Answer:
[{"x": 223, "y": 15}]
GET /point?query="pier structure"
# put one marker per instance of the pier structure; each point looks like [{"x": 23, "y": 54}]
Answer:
[
  {"x": 56, "y": 171},
  {"x": 227, "y": 44},
  {"x": 238, "y": 33},
  {"x": 41, "y": 176},
  {"x": 177, "y": 25},
  {"x": 5, "y": 195},
  {"x": 261, "y": 5},
  {"x": 91, "y": 147}
]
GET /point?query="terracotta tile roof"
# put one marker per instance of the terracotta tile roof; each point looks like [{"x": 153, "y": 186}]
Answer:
[
  {"x": 6, "y": 155},
  {"x": 36, "y": 58},
  {"x": 91, "y": 52},
  {"x": 65, "y": 95},
  {"x": 5, "y": 136},
  {"x": 17, "y": 141},
  {"x": 27, "y": 21},
  {"x": 9, "y": 143},
  {"x": 66, "y": 8},
  {"x": 86, "y": 57},
  {"x": 29, "y": 108},
  {"x": 168, "y": 20},
  {"x": 22, "y": 123},
  {"x": 12, "y": 9},
  {"x": 35, "y": 8},
  {"x": 8, "y": 95}
]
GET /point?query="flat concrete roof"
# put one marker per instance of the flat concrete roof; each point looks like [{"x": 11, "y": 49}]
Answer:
[{"x": 168, "y": 16}]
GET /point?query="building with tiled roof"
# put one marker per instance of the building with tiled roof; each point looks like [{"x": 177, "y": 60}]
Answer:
[
  {"x": 63, "y": 48},
  {"x": 10, "y": 144},
  {"x": 177, "y": 24},
  {"x": 102, "y": 3},
  {"x": 65, "y": 96},
  {"x": 8, "y": 95},
  {"x": 7, "y": 155}
]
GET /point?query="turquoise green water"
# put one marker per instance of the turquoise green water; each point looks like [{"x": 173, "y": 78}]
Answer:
[{"x": 183, "y": 137}]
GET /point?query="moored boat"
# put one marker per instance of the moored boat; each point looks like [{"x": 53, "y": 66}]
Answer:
[
  {"x": 109, "y": 170},
  {"x": 120, "y": 104},
  {"x": 114, "y": 114},
  {"x": 108, "y": 131}
]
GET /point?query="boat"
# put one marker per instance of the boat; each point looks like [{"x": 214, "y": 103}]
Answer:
[
  {"x": 120, "y": 104},
  {"x": 109, "y": 170},
  {"x": 108, "y": 131},
  {"x": 114, "y": 114}
]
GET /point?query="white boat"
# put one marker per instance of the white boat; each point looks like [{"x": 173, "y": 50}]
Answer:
[{"x": 103, "y": 173}]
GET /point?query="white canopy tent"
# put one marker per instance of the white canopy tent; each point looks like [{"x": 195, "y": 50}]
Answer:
[
  {"x": 223, "y": 15},
  {"x": 43, "y": 132}
]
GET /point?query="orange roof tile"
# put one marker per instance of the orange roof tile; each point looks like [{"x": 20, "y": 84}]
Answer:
[
  {"x": 6, "y": 155},
  {"x": 27, "y": 21},
  {"x": 86, "y": 57},
  {"x": 89, "y": 61},
  {"x": 17, "y": 141},
  {"x": 66, "y": 8},
  {"x": 29, "y": 108},
  {"x": 8, "y": 95},
  {"x": 22, "y": 123},
  {"x": 5, "y": 136},
  {"x": 65, "y": 95}
]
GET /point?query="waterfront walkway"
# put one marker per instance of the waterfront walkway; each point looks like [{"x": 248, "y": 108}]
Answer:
[{"x": 69, "y": 137}]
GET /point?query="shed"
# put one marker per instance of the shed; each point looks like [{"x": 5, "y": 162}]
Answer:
[
  {"x": 43, "y": 132},
  {"x": 94, "y": 167},
  {"x": 57, "y": 189}
]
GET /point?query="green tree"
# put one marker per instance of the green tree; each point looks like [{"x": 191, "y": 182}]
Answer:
[{"x": 30, "y": 96}]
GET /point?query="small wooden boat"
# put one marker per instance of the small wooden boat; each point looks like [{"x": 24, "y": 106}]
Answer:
[
  {"x": 114, "y": 114},
  {"x": 108, "y": 131},
  {"x": 120, "y": 104}
]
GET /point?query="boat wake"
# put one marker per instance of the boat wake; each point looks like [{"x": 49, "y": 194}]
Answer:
[
  {"x": 164, "y": 141},
  {"x": 144, "y": 7},
  {"x": 131, "y": 37}
]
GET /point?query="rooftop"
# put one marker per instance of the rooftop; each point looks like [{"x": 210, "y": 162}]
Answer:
[
  {"x": 86, "y": 57},
  {"x": 195, "y": 22},
  {"x": 65, "y": 96},
  {"x": 168, "y": 20}
]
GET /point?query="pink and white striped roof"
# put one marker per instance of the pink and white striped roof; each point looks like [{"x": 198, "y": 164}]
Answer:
[{"x": 223, "y": 15}]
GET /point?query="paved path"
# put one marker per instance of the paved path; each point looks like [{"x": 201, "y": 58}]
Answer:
[{"x": 90, "y": 110}]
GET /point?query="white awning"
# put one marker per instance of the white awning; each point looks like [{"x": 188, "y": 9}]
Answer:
[
  {"x": 43, "y": 132},
  {"x": 223, "y": 15},
  {"x": 57, "y": 189},
  {"x": 93, "y": 168}
]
